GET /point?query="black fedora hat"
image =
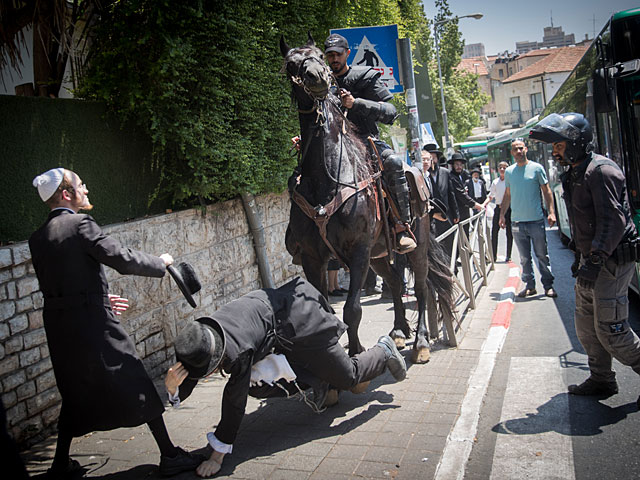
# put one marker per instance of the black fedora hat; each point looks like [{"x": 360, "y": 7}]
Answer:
[
  {"x": 457, "y": 156},
  {"x": 432, "y": 148},
  {"x": 200, "y": 346},
  {"x": 187, "y": 281}
]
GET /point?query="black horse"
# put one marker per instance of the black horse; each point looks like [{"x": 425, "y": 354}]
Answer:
[{"x": 335, "y": 209}]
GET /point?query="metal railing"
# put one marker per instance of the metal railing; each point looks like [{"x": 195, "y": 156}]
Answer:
[{"x": 474, "y": 251}]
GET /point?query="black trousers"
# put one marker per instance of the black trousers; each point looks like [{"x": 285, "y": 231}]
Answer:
[
  {"x": 332, "y": 365},
  {"x": 495, "y": 229}
]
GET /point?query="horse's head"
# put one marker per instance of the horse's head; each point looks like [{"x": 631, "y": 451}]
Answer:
[{"x": 306, "y": 70}]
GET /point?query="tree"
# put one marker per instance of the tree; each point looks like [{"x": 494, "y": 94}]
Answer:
[
  {"x": 463, "y": 98},
  {"x": 54, "y": 23}
]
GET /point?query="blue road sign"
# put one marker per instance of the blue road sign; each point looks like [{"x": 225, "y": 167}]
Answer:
[{"x": 375, "y": 47}]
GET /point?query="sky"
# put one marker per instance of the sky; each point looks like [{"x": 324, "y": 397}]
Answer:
[{"x": 507, "y": 22}]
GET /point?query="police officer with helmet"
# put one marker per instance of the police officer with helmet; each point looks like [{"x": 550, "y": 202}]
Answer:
[
  {"x": 366, "y": 99},
  {"x": 606, "y": 250}
]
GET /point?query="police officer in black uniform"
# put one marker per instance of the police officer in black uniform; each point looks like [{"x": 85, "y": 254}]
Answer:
[
  {"x": 606, "y": 250},
  {"x": 366, "y": 99}
]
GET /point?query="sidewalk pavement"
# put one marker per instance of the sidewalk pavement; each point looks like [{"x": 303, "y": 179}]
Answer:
[{"x": 393, "y": 430}]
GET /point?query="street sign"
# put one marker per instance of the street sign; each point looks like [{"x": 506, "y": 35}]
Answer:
[{"x": 375, "y": 47}]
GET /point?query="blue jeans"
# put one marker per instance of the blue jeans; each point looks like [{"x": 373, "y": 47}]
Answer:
[{"x": 524, "y": 234}]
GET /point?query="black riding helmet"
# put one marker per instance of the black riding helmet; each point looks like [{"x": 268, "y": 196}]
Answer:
[{"x": 572, "y": 128}]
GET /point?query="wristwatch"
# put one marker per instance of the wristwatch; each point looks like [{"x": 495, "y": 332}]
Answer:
[{"x": 595, "y": 259}]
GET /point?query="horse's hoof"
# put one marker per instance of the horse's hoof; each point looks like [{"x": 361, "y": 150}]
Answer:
[
  {"x": 332, "y": 398},
  {"x": 421, "y": 355},
  {"x": 361, "y": 387}
]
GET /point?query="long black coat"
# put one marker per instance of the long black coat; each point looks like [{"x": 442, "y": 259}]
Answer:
[
  {"x": 305, "y": 324},
  {"x": 471, "y": 191},
  {"x": 464, "y": 201},
  {"x": 445, "y": 193},
  {"x": 102, "y": 381}
]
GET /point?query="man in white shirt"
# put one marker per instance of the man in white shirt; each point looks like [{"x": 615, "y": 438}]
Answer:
[{"x": 496, "y": 193}]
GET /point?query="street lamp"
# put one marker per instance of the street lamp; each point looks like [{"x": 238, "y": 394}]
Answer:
[{"x": 477, "y": 16}]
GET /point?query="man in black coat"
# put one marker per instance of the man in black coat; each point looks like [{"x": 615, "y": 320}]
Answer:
[
  {"x": 442, "y": 190},
  {"x": 366, "y": 100},
  {"x": 294, "y": 320},
  {"x": 476, "y": 187},
  {"x": 458, "y": 180},
  {"x": 102, "y": 381}
]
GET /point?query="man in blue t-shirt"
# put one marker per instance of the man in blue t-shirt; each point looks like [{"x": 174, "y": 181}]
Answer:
[{"x": 526, "y": 183}]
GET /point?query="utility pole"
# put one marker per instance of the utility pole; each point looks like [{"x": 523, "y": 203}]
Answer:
[{"x": 408, "y": 82}]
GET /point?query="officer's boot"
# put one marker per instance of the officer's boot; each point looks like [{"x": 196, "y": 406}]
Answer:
[{"x": 400, "y": 191}]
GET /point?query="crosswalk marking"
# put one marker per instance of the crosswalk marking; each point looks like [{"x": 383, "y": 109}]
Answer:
[{"x": 534, "y": 411}]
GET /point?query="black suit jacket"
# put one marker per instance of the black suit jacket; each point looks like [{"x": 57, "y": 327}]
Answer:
[
  {"x": 102, "y": 381},
  {"x": 444, "y": 191},
  {"x": 465, "y": 202},
  {"x": 471, "y": 190},
  {"x": 305, "y": 326}
]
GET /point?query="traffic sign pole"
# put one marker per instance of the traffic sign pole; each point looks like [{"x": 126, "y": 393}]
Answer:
[{"x": 407, "y": 80}]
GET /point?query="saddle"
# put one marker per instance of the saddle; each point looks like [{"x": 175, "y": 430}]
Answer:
[{"x": 418, "y": 191}]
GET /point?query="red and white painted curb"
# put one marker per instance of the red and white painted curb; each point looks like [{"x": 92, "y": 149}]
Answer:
[{"x": 460, "y": 442}]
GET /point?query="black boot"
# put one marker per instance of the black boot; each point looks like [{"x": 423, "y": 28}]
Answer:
[{"x": 400, "y": 191}]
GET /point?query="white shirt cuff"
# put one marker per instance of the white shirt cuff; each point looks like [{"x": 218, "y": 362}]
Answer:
[
  {"x": 217, "y": 445},
  {"x": 174, "y": 400}
]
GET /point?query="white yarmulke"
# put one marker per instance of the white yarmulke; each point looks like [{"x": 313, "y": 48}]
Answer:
[{"x": 48, "y": 182}]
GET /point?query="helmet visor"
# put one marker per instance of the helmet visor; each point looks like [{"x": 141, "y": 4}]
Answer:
[{"x": 558, "y": 125}]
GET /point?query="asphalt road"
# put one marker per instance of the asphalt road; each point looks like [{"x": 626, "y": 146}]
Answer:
[{"x": 593, "y": 438}]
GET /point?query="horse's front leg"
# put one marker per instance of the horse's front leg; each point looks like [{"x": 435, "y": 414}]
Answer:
[
  {"x": 315, "y": 269},
  {"x": 393, "y": 278},
  {"x": 352, "y": 312}
]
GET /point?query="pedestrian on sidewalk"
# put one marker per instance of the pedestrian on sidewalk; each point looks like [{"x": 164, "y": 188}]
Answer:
[
  {"x": 443, "y": 191},
  {"x": 496, "y": 193},
  {"x": 606, "y": 243},
  {"x": 476, "y": 186},
  {"x": 294, "y": 321},
  {"x": 459, "y": 178},
  {"x": 525, "y": 185},
  {"x": 103, "y": 383}
]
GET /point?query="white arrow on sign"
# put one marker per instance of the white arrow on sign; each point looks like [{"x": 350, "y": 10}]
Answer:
[{"x": 366, "y": 56}]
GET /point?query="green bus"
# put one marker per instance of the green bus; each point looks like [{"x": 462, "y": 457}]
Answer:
[
  {"x": 474, "y": 152},
  {"x": 605, "y": 87}
]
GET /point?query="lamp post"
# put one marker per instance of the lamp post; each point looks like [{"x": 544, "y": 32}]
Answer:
[{"x": 477, "y": 16}]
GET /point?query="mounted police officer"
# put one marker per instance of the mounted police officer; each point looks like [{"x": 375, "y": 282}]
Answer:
[
  {"x": 366, "y": 99},
  {"x": 606, "y": 250}
]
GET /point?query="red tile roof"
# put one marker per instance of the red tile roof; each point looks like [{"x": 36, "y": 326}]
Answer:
[
  {"x": 468, "y": 65},
  {"x": 558, "y": 60}
]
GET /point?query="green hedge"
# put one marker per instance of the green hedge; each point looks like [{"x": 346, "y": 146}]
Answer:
[{"x": 40, "y": 133}]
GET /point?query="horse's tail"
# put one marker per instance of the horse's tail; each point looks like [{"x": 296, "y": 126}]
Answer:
[{"x": 439, "y": 276}]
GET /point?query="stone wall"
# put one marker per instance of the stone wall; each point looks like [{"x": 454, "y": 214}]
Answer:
[{"x": 217, "y": 243}]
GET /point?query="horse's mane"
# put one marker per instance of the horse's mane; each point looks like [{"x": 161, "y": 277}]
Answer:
[{"x": 356, "y": 146}]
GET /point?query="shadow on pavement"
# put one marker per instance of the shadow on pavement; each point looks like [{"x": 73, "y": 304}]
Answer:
[{"x": 593, "y": 415}]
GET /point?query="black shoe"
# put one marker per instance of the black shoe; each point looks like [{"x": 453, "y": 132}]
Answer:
[
  {"x": 181, "y": 462},
  {"x": 320, "y": 394},
  {"x": 527, "y": 292},
  {"x": 395, "y": 361},
  {"x": 591, "y": 387},
  {"x": 65, "y": 472},
  {"x": 336, "y": 293},
  {"x": 550, "y": 292}
]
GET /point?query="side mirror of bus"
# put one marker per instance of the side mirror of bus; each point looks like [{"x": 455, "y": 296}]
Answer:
[
  {"x": 604, "y": 99},
  {"x": 624, "y": 69}
]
